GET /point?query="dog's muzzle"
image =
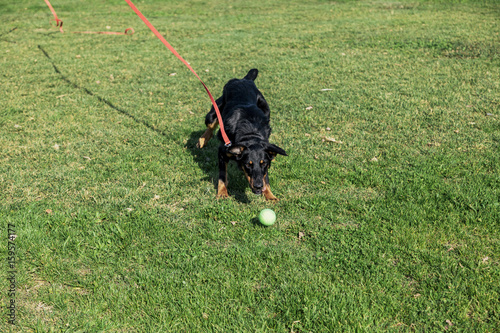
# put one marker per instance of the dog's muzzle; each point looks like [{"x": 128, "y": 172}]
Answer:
[{"x": 256, "y": 189}]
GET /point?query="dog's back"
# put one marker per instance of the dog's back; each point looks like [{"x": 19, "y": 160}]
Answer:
[{"x": 245, "y": 110}]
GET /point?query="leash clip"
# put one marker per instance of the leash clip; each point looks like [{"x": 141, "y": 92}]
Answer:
[{"x": 228, "y": 145}]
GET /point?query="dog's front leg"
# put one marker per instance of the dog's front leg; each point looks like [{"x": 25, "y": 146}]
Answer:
[
  {"x": 267, "y": 190},
  {"x": 222, "y": 185}
]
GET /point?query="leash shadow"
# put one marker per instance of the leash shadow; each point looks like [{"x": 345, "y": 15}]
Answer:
[
  {"x": 102, "y": 100},
  {"x": 2, "y": 38},
  {"x": 207, "y": 160}
]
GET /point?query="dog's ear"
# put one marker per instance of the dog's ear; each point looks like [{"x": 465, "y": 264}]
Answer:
[
  {"x": 273, "y": 150},
  {"x": 252, "y": 74},
  {"x": 235, "y": 151}
]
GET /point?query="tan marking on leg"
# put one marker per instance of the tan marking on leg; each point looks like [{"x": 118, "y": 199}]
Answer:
[
  {"x": 267, "y": 191},
  {"x": 222, "y": 190},
  {"x": 209, "y": 132},
  {"x": 222, "y": 186}
]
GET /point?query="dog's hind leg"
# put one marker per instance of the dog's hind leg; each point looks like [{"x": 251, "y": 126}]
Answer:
[
  {"x": 211, "y": 121},
  {"x": 209, "y": 132}
]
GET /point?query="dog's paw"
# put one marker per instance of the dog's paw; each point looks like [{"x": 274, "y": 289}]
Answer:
[
  {"x": 273, "y": 199},
  {"x": 209, "y": 132},
  {"x": 222, "y": 195},
  {"x": 222, "y": 190},
  {"x": 269, "y": 195},
  {"x": 201, "y": 143}
]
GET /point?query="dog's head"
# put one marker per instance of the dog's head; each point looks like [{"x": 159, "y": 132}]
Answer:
[{"x": 255, "y": 161}]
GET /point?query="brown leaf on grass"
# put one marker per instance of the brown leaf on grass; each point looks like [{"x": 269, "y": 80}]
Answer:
[
  {"x": 205, "y": 315},
  {"x": 233, "y": 222},
  {"x": 295, "y": 322},
  {"x": 48, "y": 211},
  {"x": 330, "y": 139},
  {"x": 435, "y": 144},
  {"x": 301, "y": 235},
  {"x": 309, "y": 108},
  {"x": 43, "y": 307}
]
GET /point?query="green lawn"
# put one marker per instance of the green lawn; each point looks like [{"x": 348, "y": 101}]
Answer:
[{"x": 389, "y": 209}]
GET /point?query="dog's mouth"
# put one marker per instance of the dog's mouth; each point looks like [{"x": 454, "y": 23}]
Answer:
[{"x": 257, "y": 191}]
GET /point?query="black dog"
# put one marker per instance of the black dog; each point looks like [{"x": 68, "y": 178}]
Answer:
[{"x": 245, "y": 114}]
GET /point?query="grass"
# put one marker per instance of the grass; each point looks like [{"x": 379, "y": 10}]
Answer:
[{"x": 392, "y": 227}]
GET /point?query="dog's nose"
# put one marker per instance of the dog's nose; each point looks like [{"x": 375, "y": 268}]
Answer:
[{"x": 257, "y": 188}]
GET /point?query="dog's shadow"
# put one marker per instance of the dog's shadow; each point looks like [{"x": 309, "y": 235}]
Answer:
[{"x": 207, "y": 160}]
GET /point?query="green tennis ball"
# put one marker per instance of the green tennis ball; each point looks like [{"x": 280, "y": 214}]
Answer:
[{"x": 267, "y": 217}]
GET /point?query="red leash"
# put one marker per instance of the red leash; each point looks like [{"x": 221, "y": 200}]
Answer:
[
  {"x": 160, "y": 37},
  {"x": 59, "y": 23}
]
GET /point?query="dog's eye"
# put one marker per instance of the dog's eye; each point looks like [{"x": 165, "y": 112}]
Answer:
[{"x": 249, "y": 164}]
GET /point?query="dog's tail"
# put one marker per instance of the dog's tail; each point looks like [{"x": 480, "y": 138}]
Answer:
[{"x": 252, "y": 74}]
